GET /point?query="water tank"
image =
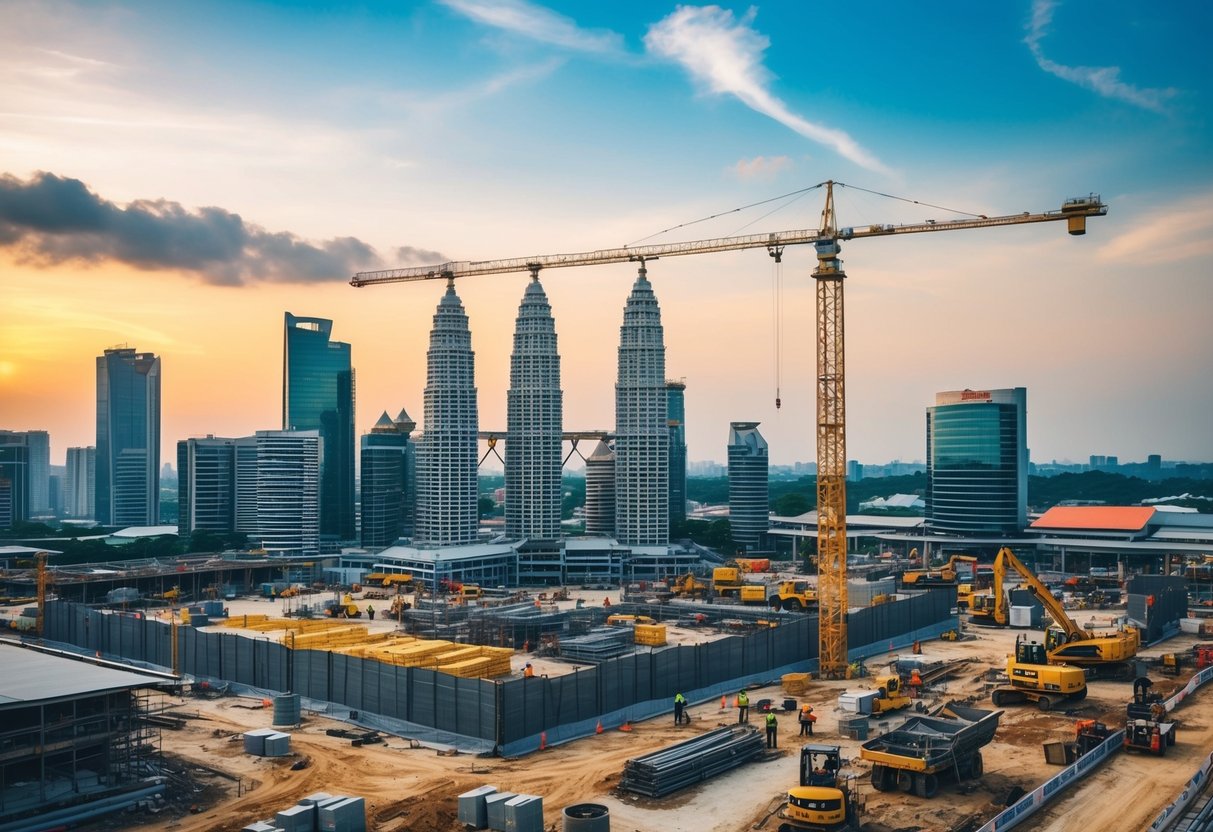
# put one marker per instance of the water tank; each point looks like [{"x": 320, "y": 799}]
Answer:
[
  {"x": 586, "y": 817},
  {"x": 287, "y": 709}
]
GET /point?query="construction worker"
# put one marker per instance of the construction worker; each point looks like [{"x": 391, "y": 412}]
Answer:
[
  {"x": 807, "y": 718},
  {"x": 528, "y": 672},
  {"x": 680, "y": 704},
  {"x": 743, "y": 707},
  {"x": 915, "y": 682},
  {"x": 772, "y": 730},
  {"x": 370, "y": 612}
]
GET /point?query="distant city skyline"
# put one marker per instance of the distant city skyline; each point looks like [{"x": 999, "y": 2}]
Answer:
[{"x": 145, "y": 201}]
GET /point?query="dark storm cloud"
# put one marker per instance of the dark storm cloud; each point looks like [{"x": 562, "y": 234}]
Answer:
[{"x": 52, "y": 219}]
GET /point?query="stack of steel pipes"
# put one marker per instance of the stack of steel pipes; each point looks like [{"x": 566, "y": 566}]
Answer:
[{"x": 678, "y": 766}]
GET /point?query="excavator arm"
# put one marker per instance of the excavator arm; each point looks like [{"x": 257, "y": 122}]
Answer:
[{"x": 1006, "y": 558}]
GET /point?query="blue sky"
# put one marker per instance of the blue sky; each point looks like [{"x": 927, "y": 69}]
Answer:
[{"x": 473, "y": 129}]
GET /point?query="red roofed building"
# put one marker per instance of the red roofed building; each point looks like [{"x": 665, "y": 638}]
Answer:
[{"x": 1125, "y": 522}]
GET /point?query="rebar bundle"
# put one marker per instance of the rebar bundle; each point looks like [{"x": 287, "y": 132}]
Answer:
[{"x": 678, "y": 766}]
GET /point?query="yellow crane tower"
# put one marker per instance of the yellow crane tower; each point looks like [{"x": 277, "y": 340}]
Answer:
[{"x": 831, "y": 366}]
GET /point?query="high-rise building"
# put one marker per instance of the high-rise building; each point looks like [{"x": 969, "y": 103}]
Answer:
[
  {"x": 388, "y": 481},
  {"x": 39, "y": 444},
  {"x": 446, "y": 456},
  {"x": 127, "y": 482},
  {"x": 288, "y": 491},
  {"x": 676, "y": 419},
  {"x": 600, "y": 491},
  {"x": 977, "y": 462},
  {"x": 318, "y": 394},
  {"x": 14, "y": 478},
  {"x": 534, "y": 417},
  {"x": 206, "y": 485},
  {"x": 81, "y": 483},
  {"x": 642, "y": 435},
  {"x": 749, "y": 486}
]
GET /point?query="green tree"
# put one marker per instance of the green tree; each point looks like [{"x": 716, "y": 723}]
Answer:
[{"x": 792, "y": 504}]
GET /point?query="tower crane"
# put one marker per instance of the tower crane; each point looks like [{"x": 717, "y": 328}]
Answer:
[{"x": 831, "y": 368}]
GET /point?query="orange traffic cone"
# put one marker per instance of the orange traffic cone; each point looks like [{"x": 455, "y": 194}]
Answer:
[
  {"x": 626, "y": 726},
  {"x": 724, "y": 702},
  {"x": 543, "y": 740},
  {"x": 734, "y": 701},
  {"x": 598, "y": 730}
]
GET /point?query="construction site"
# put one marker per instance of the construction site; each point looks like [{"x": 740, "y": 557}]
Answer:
[
  {"x": 563, "y": 698},
  {"x": 803, "y": 695}
]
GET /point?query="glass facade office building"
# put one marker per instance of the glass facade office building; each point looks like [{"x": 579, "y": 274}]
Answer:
[
  {"x": 749, "y": 486},
  {"x": 127, "y": 480},
  {"x": 318, "y": 394},
  {"x": 977, "y": 462},
  {"x": 676, "y": 417},
  {"x": 388, "y": 481}
]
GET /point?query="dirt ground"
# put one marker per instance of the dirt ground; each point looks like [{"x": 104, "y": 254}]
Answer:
[{"x": 408, "y": 787}]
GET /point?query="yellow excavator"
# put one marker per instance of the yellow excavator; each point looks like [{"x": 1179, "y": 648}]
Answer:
[
  {"x": 1103, "y": 654},
  {"x": 1033, "y": 677},
  {"x": 945, "y": 575},
  {"x": 824, "y": 801}
]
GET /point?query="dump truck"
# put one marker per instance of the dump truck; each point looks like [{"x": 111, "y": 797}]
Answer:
[
  {"x": 915, "y": 756},
  {"x": 825, "y": 800},
  {"x": 728, "y": 579},
  {"x": 1033, "y": 679},
  {"x": 794, "y": 596},
  {"x": 755, "y": 594}
]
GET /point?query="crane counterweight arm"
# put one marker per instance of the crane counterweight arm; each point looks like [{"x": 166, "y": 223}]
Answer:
[{"x": 1075, "y": 211}]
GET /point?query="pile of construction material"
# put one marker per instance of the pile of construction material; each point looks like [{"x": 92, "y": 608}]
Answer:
[
  {"x": 266, "y": 742},
  {"x": 487, "y": 808},
  {"x": 465, "y": 660},
  {"x": 319, "y": 811},
  {"x": 795, "y": 684},
  {"x": 651, "y": 635},
  {"x": 687, "y": 763},
  {"x": 598, "y": 645}
]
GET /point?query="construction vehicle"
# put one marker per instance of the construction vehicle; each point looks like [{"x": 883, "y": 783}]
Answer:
[
  {"x": 1145, "y": 728},
  {"x": 830, "y": 379},
  {"x": 1103, "y": 653},
  {"x": 688, "y": 586},
  {"x": 824, "y": 801},
  {"x": 1034, "y": 679},
  {"x": 1172, "y": 663},
  {"x": 964, "y": 595},
  {"x": 892, "y": 696},
  {"x": 399, "y": 605},
  {"x": 389, "y": 579},
  {"x": 619, "y": 619},
  {"x": 728, "y": 579},
  {"x": 345, "y": 608},
  {"x": 753, "y": 564},
  {"x": 752, "y": 594},
  {"x": 915, "y": 756},
  {"x": 794, "y": 596},
  {"x": 945, "y": 575}
]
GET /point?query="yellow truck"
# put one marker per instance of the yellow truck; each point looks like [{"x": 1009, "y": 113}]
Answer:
[
  {"x": 794, "y": 596},
  {"x": 914, "y": 757}
]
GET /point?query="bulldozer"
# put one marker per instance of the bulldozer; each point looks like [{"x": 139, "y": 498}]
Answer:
[
  {"x": 794, "y": 596},
  {"x": 1103, "y": 654},
  {"x": 824, "y": 801},
  {"x": 345, "y": 608},
  {"x": 1034, "y": 679}
]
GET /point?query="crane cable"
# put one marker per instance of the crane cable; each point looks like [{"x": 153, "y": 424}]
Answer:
[
  {"x": 777, "y": 319},
  {"x": 798, "y": 193},
  {"x": 911, "y": 201}
]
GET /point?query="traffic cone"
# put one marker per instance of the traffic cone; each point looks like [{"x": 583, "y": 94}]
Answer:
[
  {"x": 626, "y": 726},
  {"x": 734, "y": 701},
  {"x": 890, "y": 645},
  {"x": 543, "y": 740},
  {"x": 598, "y": 730},
  {"x": 724, "y": 703}
]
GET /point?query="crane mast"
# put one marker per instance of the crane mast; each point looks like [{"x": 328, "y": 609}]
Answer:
[{"x": 831, "y": 369}]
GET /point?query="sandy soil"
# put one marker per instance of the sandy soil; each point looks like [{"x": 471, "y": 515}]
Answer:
[{"x": 411, "y": 788}]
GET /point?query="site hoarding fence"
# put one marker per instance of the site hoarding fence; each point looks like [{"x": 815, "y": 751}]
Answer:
[{"x": 504, "y": 711}]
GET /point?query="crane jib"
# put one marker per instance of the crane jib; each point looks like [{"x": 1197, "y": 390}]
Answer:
[{"x": 1072, "y": 210}]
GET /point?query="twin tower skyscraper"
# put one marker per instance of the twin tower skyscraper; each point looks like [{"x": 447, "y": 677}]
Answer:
[{"x": 447, "y": 453}]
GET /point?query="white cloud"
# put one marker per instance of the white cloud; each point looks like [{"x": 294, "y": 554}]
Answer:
[
  {"x": 1181, "y": 231},
  {"x": 537, "y": 23},
  {"x": 1104, "y": 80},
  {"x": 726, "y": 57},
  {"x": 761, "y": 167}
]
